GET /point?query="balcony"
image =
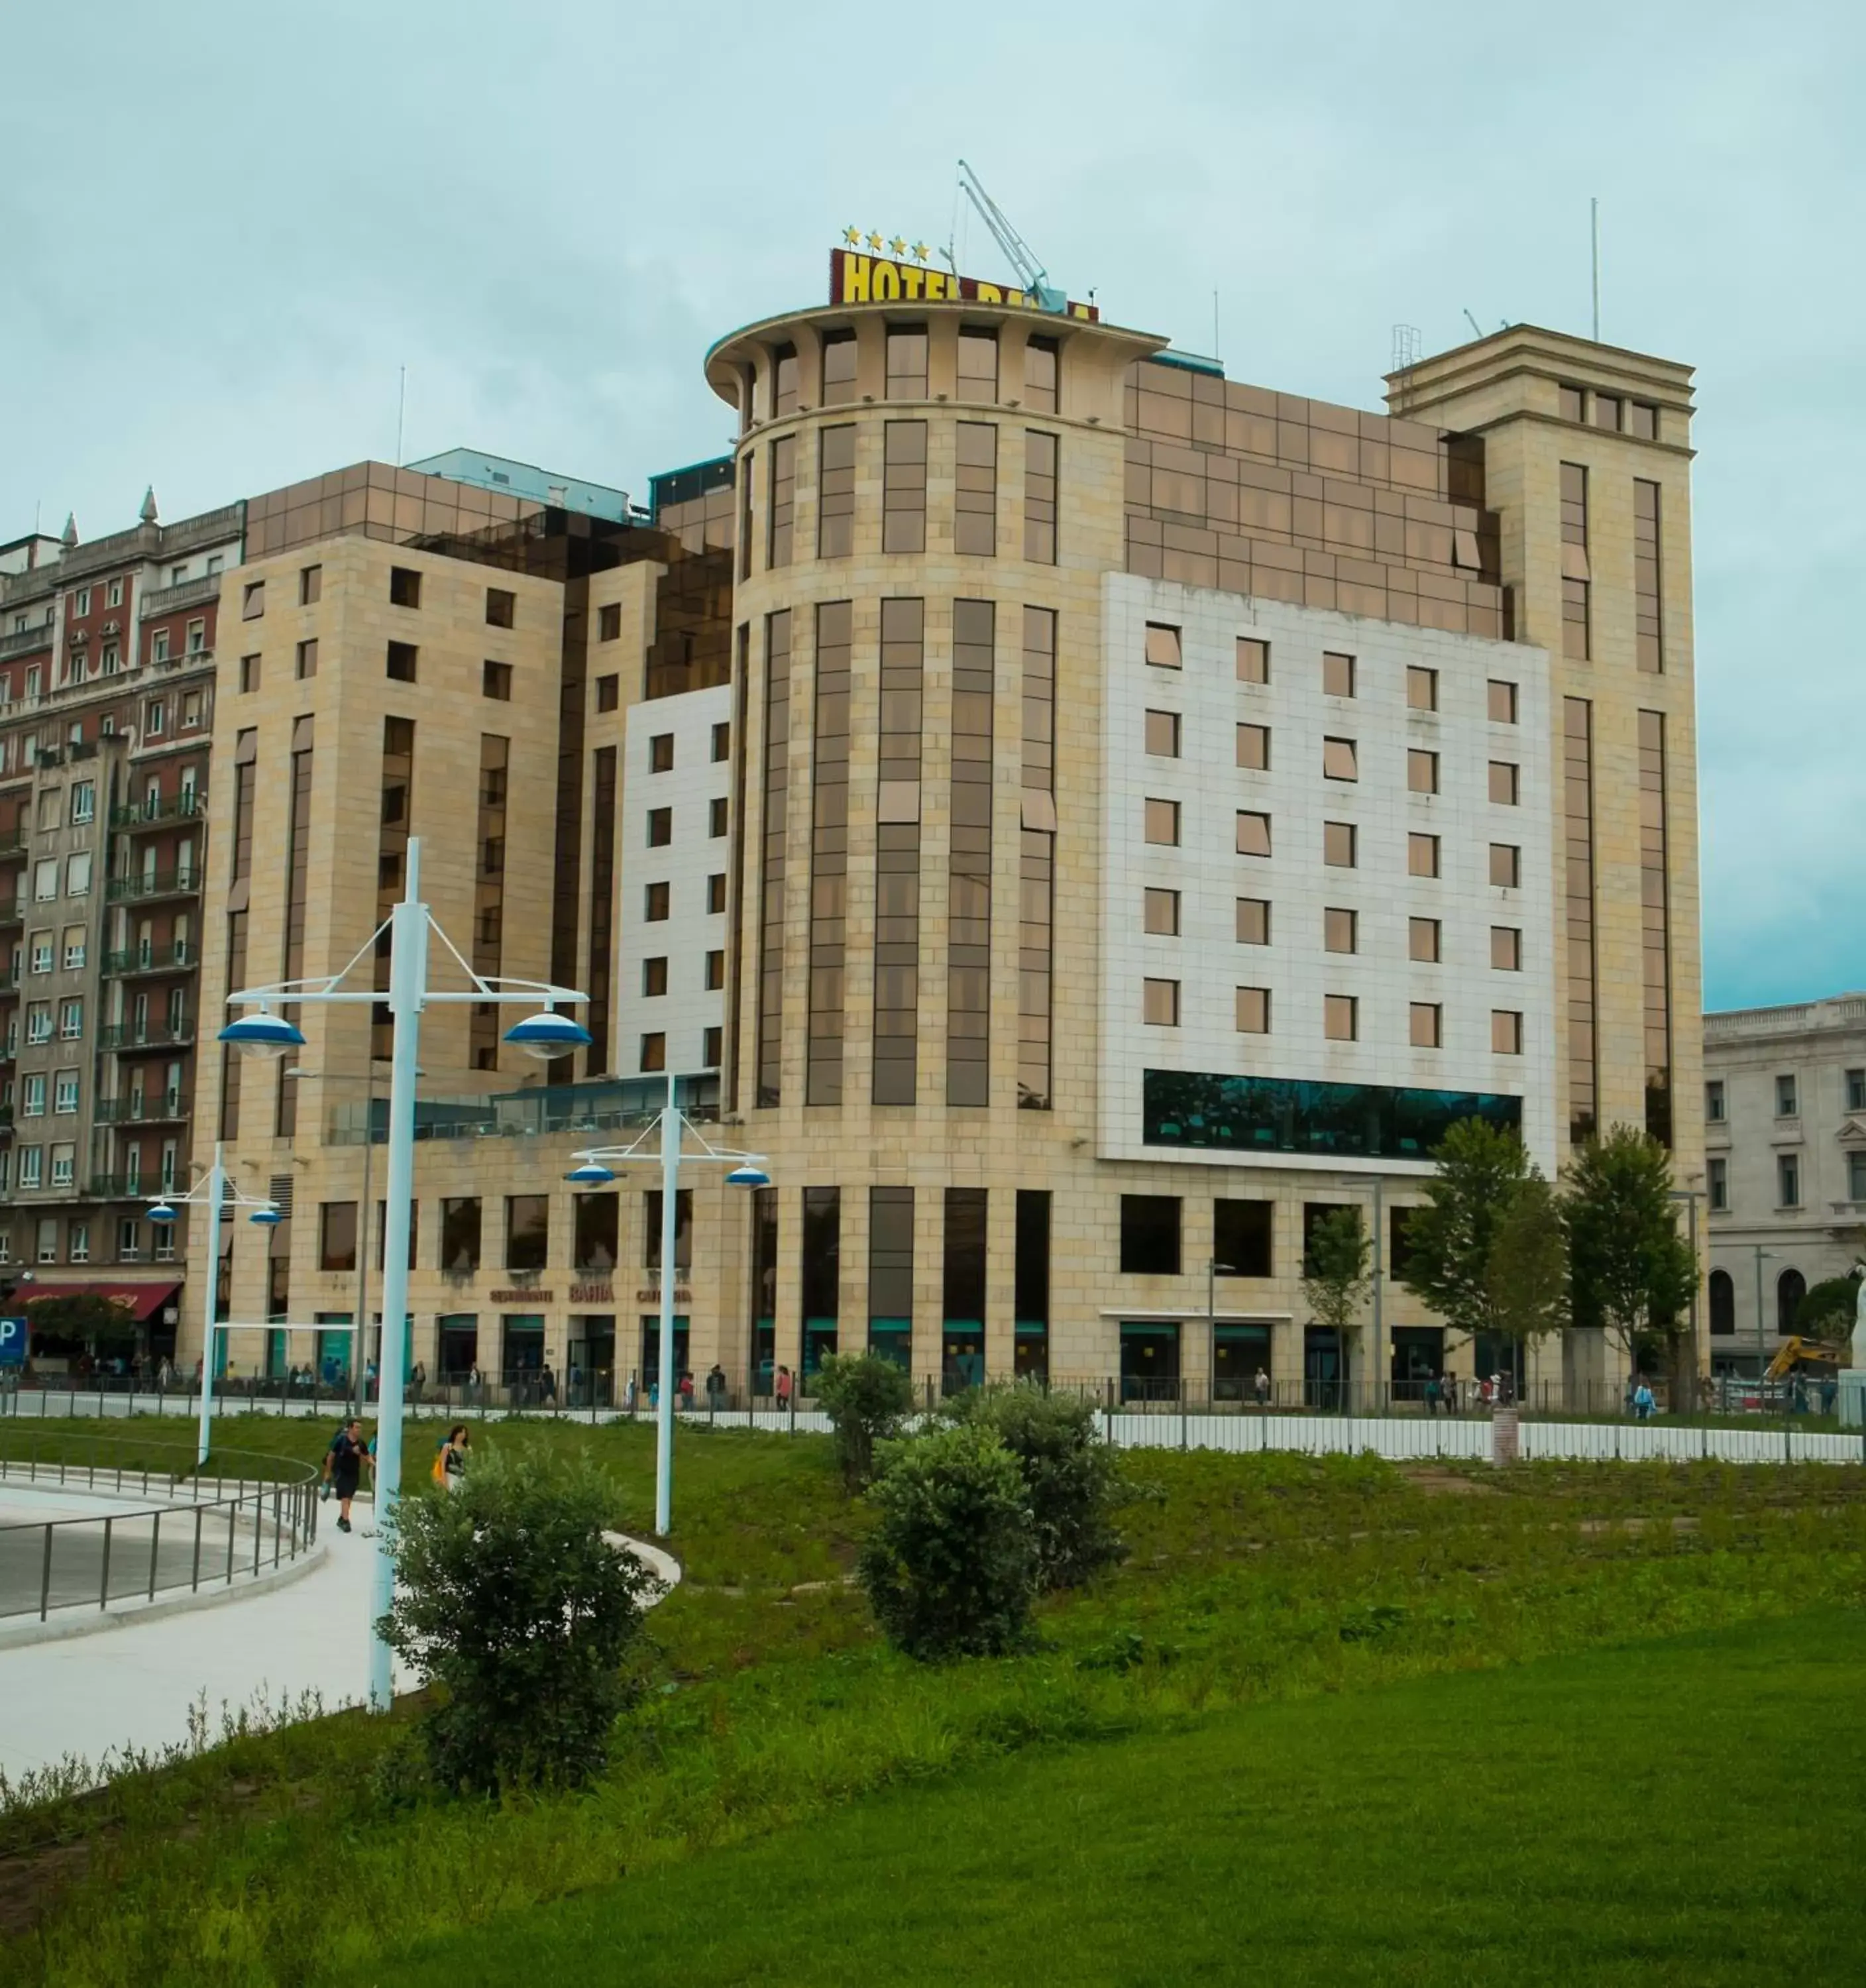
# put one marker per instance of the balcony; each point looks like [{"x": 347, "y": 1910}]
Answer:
[
  {"x": 149, "y": 884},
  {"x": 152, "y": 959},
  {"x": 24, "y": 641},
  {"x": 9, "y": 979},
  {"x": 151, "y": 814},
  {"x": 123, "y": 1187},
  {"x": 127, "y": 1036},
  {"x": 12, "y": 844},
  {"x": 156, "y": 1107},
  {"x": 12, "y": 912},
  {"x": 195, "y": 592}
]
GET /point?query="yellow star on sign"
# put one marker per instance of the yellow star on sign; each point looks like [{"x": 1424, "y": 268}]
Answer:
[
  {"x": 921, "y": 252},
  {"x": 853, "y": 236},
  {"x": 898, "y": 246},
  {"x": 877, "y": 244}
]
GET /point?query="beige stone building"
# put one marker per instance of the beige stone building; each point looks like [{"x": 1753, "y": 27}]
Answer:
[{"x": 1083, "y": 818}]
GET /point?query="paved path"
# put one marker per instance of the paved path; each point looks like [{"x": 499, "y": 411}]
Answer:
[{"x": 134, "y": 1685}]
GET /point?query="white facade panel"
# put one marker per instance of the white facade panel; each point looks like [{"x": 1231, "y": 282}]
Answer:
[{"x": 1206, "y": 958}]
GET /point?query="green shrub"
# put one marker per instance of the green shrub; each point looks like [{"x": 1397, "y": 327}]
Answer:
[
  {"x": 865, "y": 1398},
  {"x": 511, "y": 1600},
  {"x": 1071, "y": 1479},
  {"x": 951, "y": 1568}
]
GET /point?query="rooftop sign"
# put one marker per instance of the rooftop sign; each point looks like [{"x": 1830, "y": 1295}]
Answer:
[{"x": 858, "y": 279}]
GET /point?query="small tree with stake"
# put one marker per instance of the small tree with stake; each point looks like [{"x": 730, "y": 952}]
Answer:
[
  {"x": 1451, "y": 1240},
  {"x": 1632, "y": 1273},
  {"x": 865, "y": 1398},
  {"x": 1335, "y": 1278}
]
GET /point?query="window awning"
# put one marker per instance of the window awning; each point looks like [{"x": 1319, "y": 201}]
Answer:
[{"x": 144, "y": 1300}]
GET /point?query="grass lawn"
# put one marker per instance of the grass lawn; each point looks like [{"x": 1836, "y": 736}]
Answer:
[
  {"x": 1275, "y": 1589},
  {"x": 1645, "y": 1814}
]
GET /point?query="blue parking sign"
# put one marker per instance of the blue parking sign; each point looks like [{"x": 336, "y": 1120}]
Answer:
[{"x": 12, "y": 1342}]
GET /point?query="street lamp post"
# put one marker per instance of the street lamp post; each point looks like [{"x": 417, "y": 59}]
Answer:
[
  {"x": 1380, "y": 1278},
  {"x": 219, "y": 1193},
  {"x": 664, "y": 1140},
  {"x": 1762, "y": 1365},
  {"x": 1689, "y": 1196},
  {"x": 545, "y": 1035}
]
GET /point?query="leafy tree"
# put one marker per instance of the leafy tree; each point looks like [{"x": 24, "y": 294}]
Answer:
[
  {"x": 511, "y": 1600},
  {"x": 1071, "y": 1479},
  {"x": 76, "y": 1317},
  {"x": 951, "y": 1568},
  {"x": 1449, "y": 1240},
  {"x": 1826, "y": 1310},
  {"x": 866, "y": 1398},
  {"x": 1631, "y": 1271},
  {"x": 1335, "y": 1278},
  {"x": 1528, "y": 1270}
]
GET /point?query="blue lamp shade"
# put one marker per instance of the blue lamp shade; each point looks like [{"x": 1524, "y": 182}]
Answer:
[
  {"x": 161, "y": 1211},
  {"x": 547, "y": 1035},
  {"x": 748, "y": 1175},
  {"x": 263, "y": 1035},
  {"x": 266, "y": 1218},
  {"x": 590, "y": 1174}
]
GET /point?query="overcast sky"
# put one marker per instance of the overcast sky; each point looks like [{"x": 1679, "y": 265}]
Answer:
[{"x": 224, "y": 228}]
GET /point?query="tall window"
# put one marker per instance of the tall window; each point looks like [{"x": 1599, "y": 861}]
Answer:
[
  {"x": 975, "y": 515},
  {"x": 783, "y": 500},
  {"x": 489, "y": 894},
  {"x": 836, "y": 493},
  {"x": 891, "y": 1273},
  {"x": 978, "y": 363},
  {"x": 1036, "y": 860},
  {"x": 897, "y": 925},
  {"x": 838, "y": 368},
  {"x": 1649, "y": 614},
  {"x": 1043, "y": 365},
  {"x": 968, "y": 939},
  {"x": 772, "y": 807},
  {"x": 1575, "y": 572},
  {"x": 391, "y": 856},
  {"x": 1655, "y": 951},
  {"x": 1039, "y": 498},
  {"x": 1577, "y": 850},
  {"x": 904, "y": 487},
  {"x": 829, "y": 855},
  {"x": 906, "y": 361}
]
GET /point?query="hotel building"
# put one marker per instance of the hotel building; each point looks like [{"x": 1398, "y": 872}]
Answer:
[{"x": 1082, "y": 817}]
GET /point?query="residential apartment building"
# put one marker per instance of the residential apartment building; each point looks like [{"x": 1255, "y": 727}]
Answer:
[
  {"x": 1083, "y": 818},
  {"x": 1785, "y": 1166}
]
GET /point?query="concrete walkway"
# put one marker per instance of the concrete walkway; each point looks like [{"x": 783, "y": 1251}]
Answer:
[{"x": 133, "y": 1684}]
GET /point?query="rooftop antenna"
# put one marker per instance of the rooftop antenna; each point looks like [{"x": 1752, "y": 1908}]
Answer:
[
  {"x": 1031, "y": 274},
  {"x": 401, "y": 406},
  {"x": 1406, "y": 343},
  {"x": 1474, "y": 326},
  {"x": 1593, "y": 220},
  {"x": 1215, "y": 353}
]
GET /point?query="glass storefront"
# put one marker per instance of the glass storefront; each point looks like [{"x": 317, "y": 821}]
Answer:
[{"x": 1197, "y": 1110}]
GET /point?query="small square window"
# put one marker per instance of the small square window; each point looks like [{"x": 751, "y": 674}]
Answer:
[
  {"x": 1340, "y": 931},
  {"x": 722, "y": 742},
  {"x": 1160, "y": 1003},
  {"x": 1422, "y": 771},
  {"x": 715, "y": 892},
  {"x": 495, "y": 681},
  {"x": 1506, "y": 948},
  {"x": 1163, "y": 734},
  {"x": 1253, "y": 1011},
  {"x": 661, "y": 827},
  {"x": 1163, "y": 646},
  {"x": 405, "y": 586},
  {"x": 1502, "y": 701},
  {"x": 1786, "y": 1097},
  {"x": 1254, "y": 748},
  {"x": 654, "y": 903},
  {"x": 1505, "y": 782},
  {"x": 1714, "y": 1101},
  {"x": 1422, "y": 856},
  {"x": 1642, "y": 420},
  {"x": 1427, "y": 1020},
  {"x": 660, "y": 752},
  {"x": 310, "y": 586},
  {"x": 1253, "y": 832},
  {"x": 1253, "y": 921},
  {"x": 718, "y": 816},
  {"x": 501, "y": 606},
  {"x": 1571, "y": 402},
  {"x": 1340, "y": 849},
  {"x": 306, "y": 666},
  {"x": 252, "y": 601},
  {"x": 1163, "y": 822},
  {"x": 1421, "y": 688},
  {"x": 1160, "y": 913},
  {"x": 654, "y": 1051},
  {"x": 1253, "y": 661},
  {"x": 654, "y": 977},
  {"x": 1340, "y": 1018},
  {"x": 1339, "y": 760},
  {"x": 608, "y": 693},
  {"x": 249, "y": 673},
  {"x": 1337, "y": 674},
  {"x": 1424, "y": 938},
  {"x": 1606, "y": 407},
  {"x": 1506, "y": 865},
  {"x": 1505, "y": 1032},
  {"x": 609, "y": 622},
  {"x": 401, "y": 663},
  {"x": 716, "y": 971}
]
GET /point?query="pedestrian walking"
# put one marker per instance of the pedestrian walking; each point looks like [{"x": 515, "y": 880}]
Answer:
[
  {"x": 1260, "y": 1387},
  {"x": 451, "y": 1457},
  {"x": 1431, "y": 1397},
  {"x": 685, "y": 1403},
  {"x": 547, "y": 1387},
  {"x": 783, "y": 1387},
  {"x": 715, "y": 1388},
  {"x": 631, "y": 1395},
  {"x": 1644, "y": 1405},
  {"x": 344, "y": 1463},
  {"x": 417, "y": 1381}
]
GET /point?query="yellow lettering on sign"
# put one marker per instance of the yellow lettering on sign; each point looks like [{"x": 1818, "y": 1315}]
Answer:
[
  {"x": 886, "y": 283},
  {"x": 910, "y": 278},
  {"x": 1014, "y": 297},
  {"x": 855, "y": 279},
  {"x": 936, "y": 284},
  {"x": 989, "y": 293}
]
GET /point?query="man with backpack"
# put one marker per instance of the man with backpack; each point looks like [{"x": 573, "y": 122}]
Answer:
[{"x": 344, "y": 1463}]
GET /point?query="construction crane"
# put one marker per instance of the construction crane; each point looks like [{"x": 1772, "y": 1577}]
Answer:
[{"x": 1030, "y": 272}]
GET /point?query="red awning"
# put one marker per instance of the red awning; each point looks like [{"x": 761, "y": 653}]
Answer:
[{"x": 144, "y": 1300}]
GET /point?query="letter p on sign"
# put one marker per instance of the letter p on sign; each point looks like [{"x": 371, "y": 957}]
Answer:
[{"x": 12, "y": 1342}]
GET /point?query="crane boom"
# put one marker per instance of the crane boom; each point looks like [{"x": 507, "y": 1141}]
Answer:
[{"x": 1030, "y": 272}]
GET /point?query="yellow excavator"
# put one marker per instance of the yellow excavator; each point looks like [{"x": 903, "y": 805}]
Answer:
[{"x": 1797, "y": 1354}]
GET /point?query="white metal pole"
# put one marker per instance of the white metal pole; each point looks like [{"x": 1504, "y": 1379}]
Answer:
[
  {"x": 664, "y": 1420},
  {"x": 217, "y": 1189},
  {"x": 1380, "y": 1274},
  {"x": 407, "y": 985}
]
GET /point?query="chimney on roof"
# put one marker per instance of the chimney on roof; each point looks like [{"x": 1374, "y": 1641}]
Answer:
[
  {"x": 147, "y": 513},
  {"x": 70, "y": 535}
]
